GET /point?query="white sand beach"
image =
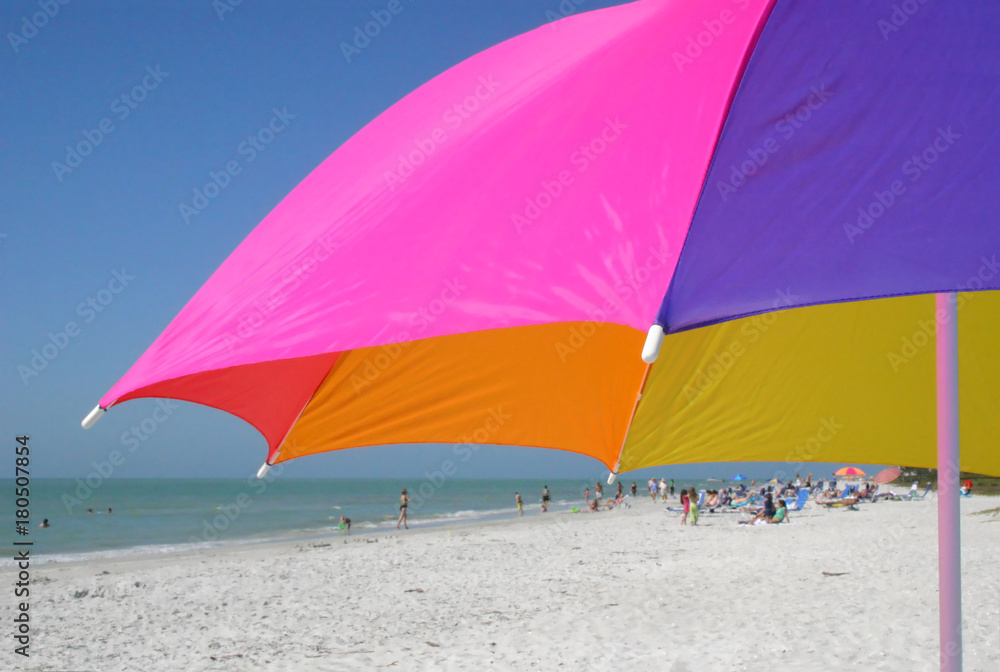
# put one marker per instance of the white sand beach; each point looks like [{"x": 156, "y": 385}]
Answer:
[{"x": 622, "y": 590}]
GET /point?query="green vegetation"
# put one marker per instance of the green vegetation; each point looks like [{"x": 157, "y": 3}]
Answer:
[{"x": 981, "y": 485}]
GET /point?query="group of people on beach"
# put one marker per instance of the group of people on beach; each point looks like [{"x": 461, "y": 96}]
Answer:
[
  {"x": 611, "y": 502},
  {"x": 661, "y": 487},
  {"x": 775, "y": 511},
  {"x": 404, "y": 503}
]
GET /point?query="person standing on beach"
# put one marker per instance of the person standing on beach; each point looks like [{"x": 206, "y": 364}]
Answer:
[
  {"x": 404, "y": 501},
  {"x": 662, "y": 487},
  {"x": 586, "y": 495},
  {"x": 652, "y": 488},
  {"x": 686, "y": 503},
  {"x": 634, "y": 490},
  {"x": 693, "y": 502},
  {"x": 520, "y": 503},
  {"x": 671, "y": 488},
  {"x": 545, "y": 499},
  {"x": 598, "y": 493},
  {"x": 618, "y": 492}
]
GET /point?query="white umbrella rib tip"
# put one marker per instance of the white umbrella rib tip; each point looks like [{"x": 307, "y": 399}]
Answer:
[
  {"x": 654, "y": 341},
  {"x": 92, "y": 417}
]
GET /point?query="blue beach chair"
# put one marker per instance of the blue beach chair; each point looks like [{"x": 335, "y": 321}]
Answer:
[{"x": 799, "y": 502}]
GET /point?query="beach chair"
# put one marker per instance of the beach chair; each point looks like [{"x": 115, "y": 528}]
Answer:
[
  {"x": 887, "y": 496},
  {"x": 846, "y": 500},
  {"x": 799, "y": 502},
  {"x": 842, "y": 503},
  {"x": 875, "y": 496},
  {"x": 740, "y": 507},
  {"x": 910, "y": 496}
]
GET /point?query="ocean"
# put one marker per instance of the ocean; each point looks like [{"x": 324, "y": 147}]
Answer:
[{"x": 151, "y": 516}]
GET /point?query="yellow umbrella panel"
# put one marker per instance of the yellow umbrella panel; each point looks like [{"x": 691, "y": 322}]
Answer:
[{"x": 850, "y": 382}]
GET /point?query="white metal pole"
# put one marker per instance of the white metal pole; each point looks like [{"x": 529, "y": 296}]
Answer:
[{"x": 949, "y": 536}]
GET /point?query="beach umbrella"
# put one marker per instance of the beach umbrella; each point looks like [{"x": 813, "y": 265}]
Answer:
[
  {"x": 739, "y": 477},
  {"x": 850, "y": 472},
  {"x": 769, "y": 191},
  {"x": 887, "y": 475}
]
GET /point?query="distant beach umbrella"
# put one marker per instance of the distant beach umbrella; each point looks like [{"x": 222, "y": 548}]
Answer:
[
  {"x": 850, "y": 472},
  {"x": 739, "y": 477},
  {"x": 888, "y": 475}
]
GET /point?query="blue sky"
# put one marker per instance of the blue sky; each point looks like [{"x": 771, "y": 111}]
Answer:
[{"x": 163, "y": 93}]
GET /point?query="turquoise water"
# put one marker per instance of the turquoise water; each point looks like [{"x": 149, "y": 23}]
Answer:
[{"x": 164, "y": 515}]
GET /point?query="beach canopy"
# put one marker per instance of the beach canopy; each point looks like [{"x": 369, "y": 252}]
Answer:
[
  {"x": 739, "y": 477},
  {"x": 849, "y": 471},
  {"x": 481, "y": 262},
  {"x": 778, "y": 187}
]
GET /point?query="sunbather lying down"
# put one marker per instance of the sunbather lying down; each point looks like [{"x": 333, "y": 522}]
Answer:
[
  {"x": 716, "y": 500},
  {"x": 850, "y": 501}
]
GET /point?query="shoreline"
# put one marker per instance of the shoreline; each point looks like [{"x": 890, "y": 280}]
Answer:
[
  {"x": 292, "y": 537},
  {"x": 317, "y": 538}
]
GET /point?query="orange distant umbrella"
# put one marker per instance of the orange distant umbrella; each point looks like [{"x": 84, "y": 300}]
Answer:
[{"x": 849, "y": 471}]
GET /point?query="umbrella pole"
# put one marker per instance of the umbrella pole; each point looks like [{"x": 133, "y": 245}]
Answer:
[{"x": 949, "y": 537}]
